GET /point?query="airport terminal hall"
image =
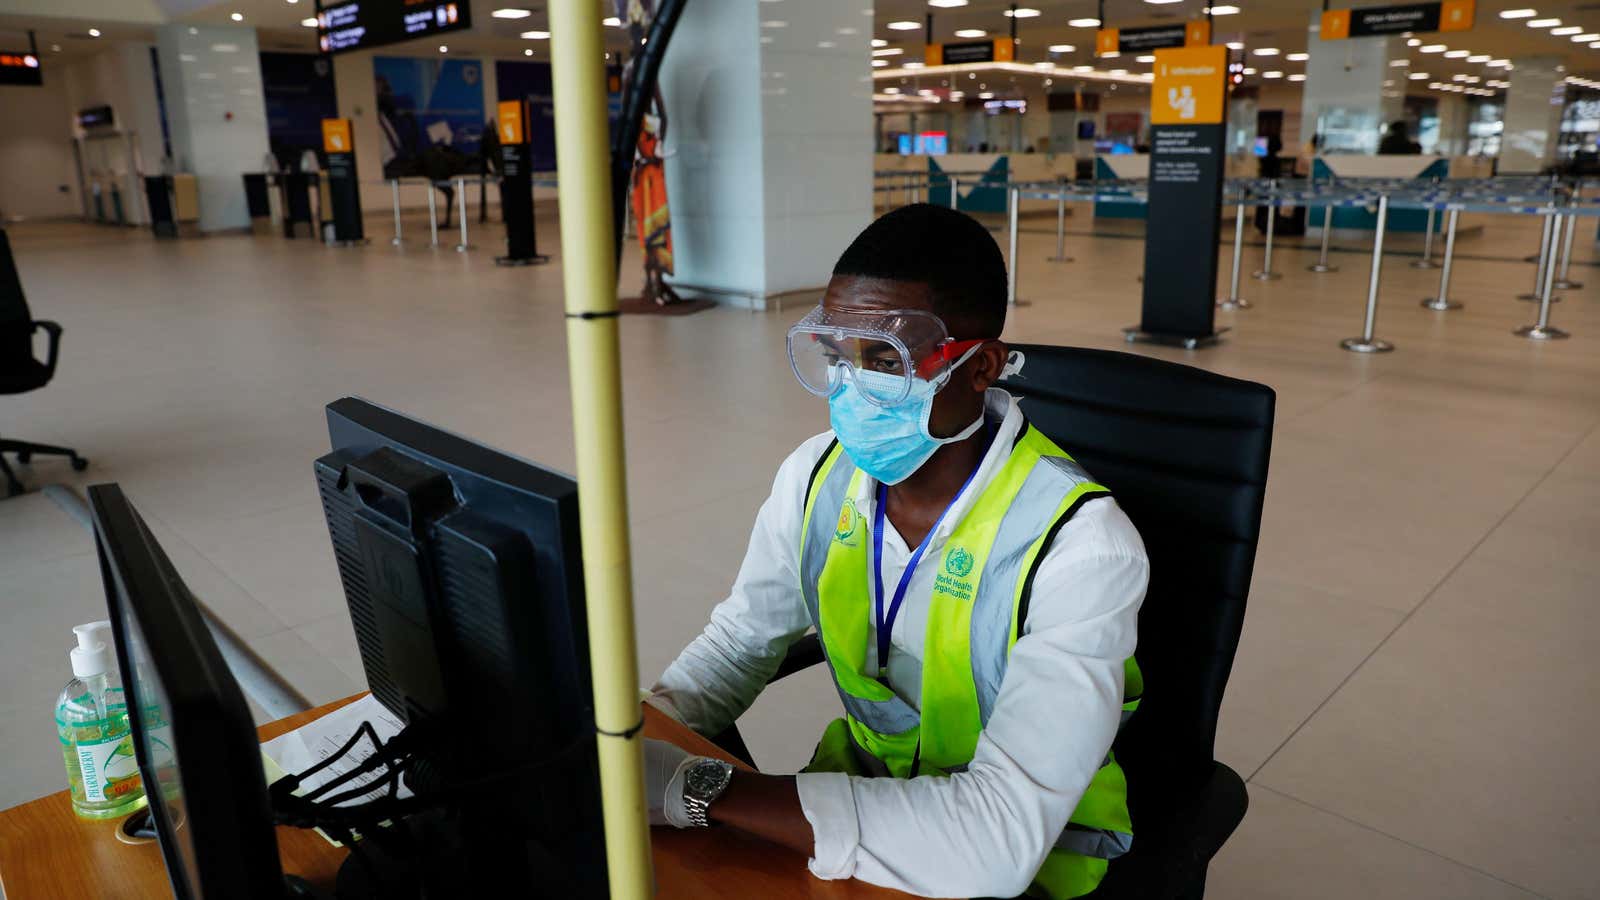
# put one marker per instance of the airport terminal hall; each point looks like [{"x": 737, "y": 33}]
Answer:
[{"x": 799, "y": 449}]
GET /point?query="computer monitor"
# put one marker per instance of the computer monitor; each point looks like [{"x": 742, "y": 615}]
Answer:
[
  {"x": 462, "y": 572},
  {"x": 192, "y": 731}
]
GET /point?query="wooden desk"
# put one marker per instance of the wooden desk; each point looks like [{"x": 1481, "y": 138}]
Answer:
[{"x": 47, "y": 853}]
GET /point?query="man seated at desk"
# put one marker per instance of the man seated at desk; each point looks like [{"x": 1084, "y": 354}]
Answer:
[{"x": 975, "y": 590}]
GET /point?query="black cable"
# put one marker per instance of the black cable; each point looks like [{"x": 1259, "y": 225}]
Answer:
[
  {"x": 304, "y": 812},
  {"x": 637, "y": 94}
]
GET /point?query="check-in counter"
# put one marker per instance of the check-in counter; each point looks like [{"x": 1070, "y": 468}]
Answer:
[
  {"x": 1120, "y": 166},
  {"x": 981, "y": 177},
  {"x": 1396, "y": 166}
]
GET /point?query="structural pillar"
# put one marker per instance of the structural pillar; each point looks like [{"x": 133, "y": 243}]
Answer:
[
  {"x": 1343, "y": 97},
  {"x": 1533, "y": 115},
  {"x": 211, "y": 80},
  {"x": 769, "y": 131}
]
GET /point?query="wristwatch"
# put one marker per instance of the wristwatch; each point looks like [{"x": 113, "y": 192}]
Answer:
[{"x": 704, "y": 782}]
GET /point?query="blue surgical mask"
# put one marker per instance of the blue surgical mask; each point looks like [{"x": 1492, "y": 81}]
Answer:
[{"x": 890, "y": 442}]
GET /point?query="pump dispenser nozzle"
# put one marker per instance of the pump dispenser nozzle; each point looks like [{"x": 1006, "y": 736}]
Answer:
[{"x": 93, "y": 655}]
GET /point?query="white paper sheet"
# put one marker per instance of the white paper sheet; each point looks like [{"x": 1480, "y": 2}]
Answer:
[{"x": 313, "y": 742}]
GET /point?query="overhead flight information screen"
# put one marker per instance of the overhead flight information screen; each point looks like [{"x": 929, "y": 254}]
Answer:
[{"x": 364, "y": 24}]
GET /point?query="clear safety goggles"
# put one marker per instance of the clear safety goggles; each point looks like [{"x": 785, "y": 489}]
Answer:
[{"x": 889, "y": 347}]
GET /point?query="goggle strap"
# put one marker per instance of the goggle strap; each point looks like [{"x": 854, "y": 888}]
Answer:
[{"x": 944, "y": 355}]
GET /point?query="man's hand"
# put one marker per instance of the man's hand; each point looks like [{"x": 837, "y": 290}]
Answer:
[
  {"x": 763, "y": 805},
  {"x": 664, "y": 768}
]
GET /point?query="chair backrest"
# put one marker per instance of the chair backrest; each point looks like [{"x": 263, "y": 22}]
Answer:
[
  {"x": 16, "y": 323},
  {"x": 1184, "y": 451}
]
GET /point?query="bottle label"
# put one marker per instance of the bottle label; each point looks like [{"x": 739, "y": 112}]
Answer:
[{"x": 108, "y": 769}]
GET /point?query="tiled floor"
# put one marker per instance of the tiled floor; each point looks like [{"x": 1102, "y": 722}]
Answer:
[{"x": 1413, "y": 700}]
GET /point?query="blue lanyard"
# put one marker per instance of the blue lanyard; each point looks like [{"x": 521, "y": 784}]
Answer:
[{"x": 886, "y": 623}]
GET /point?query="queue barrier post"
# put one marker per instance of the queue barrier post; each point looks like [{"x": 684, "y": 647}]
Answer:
[
  {"x": 1061, "y": 224},
  {"x": 1543, "y": 330},
  {"x": 1564, "y": 280},
  {"x": 1322, "y": 264},
  {"x": 1266, "y": 273},
  {"x": 1233, "y": 300},
  {"x": 1368, "y": 342},
  {"x": 461, "y": 213},
  {"x": 1014, "y": 197},
  {"x": 1442, "y": 302},
  {"x": 394, "y": 189},
  {"x": 1426, "y": 262},
  {"x": 1537, "y": 294},
  {"x": 433, "y": 215}
]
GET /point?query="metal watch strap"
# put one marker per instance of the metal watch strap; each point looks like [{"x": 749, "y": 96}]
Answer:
[{"x": 697, "y": 807}]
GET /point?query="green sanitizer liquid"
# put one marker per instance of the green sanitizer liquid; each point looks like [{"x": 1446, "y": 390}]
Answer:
[{"x": 92, "y": 723}]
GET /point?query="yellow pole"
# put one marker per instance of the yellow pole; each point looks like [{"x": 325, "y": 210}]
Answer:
[{"x": 589, "y": 275}]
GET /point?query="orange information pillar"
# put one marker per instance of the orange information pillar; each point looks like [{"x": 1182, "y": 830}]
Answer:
[
  {"x": 516, "y": 184},
  {"x": 1188, "y": 116},
  {"x": 343, "y": 188}
]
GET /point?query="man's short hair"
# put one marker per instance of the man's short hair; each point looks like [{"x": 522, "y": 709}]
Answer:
[{"x": 949, "y": 251}]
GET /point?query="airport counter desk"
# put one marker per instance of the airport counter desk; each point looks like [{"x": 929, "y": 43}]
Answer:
[{"x": 47, "y": 852}]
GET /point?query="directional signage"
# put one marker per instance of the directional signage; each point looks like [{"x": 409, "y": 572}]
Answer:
[
  {"x": 1447, "y": 15},
  {"x": 997, "y": 50},
  {"x": 363, "y": 24},
  {"x": 1196, "y": 33}
]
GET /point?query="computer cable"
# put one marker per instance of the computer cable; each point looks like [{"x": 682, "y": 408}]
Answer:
[{"x": 397, "y": 757}]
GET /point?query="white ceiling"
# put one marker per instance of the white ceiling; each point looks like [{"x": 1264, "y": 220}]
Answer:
[{"x": 1261, "y": 23}]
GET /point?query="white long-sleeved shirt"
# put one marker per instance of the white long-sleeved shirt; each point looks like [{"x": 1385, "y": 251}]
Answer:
[{"x": 984, "y": 831}]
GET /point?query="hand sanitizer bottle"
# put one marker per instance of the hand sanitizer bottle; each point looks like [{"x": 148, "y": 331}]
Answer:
[{"x": 92, "y": 721}]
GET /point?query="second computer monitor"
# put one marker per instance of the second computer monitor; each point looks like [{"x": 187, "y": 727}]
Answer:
[
  {"x": 192, "y": 734},
  {"x": 462, "y": 572}
]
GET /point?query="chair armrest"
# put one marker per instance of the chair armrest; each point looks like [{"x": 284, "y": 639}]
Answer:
[
  {"x": 803, "y": 654},
  {"x": 54, "y": 331},
  {"x": 1176, "y": 832}
]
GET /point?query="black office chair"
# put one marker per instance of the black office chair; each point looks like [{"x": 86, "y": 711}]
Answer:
[
  {"x": 1185, "y": 453},
  {"x": 19, "y": 371}
]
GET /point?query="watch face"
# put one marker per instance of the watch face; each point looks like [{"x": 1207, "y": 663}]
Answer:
[{"x": 705, "y": 778}]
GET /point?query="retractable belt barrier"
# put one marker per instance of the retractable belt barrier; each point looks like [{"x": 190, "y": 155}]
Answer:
[
  {"x": 1559, "y": 202},
  {"x": 459, "y": 184}
]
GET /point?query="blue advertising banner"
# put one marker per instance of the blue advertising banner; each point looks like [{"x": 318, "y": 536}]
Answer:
[
  {"x": 428, "y": 109},
  {"x": 530, "y": 81},
  {"x": 299, "y": 94}
]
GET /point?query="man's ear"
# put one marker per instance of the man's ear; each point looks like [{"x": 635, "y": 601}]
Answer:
[{"x": 987, "y": 364}]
